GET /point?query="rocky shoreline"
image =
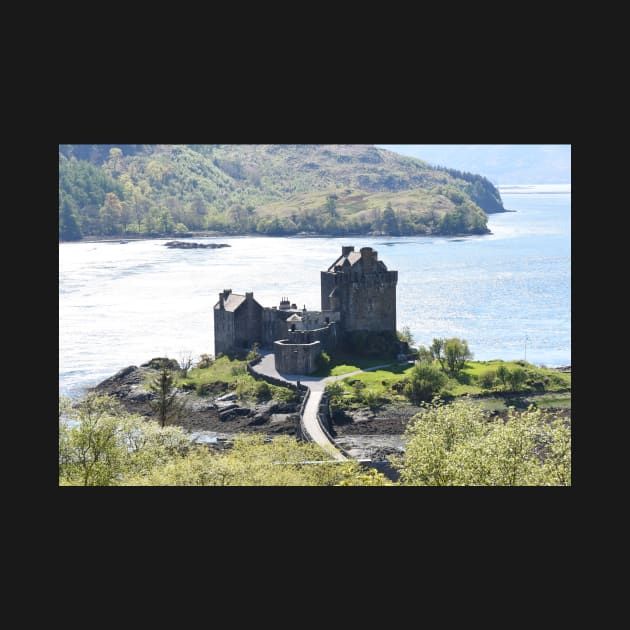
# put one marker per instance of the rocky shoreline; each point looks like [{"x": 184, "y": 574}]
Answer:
[
  {"x": 186, "y": 245},
  {"x": 219, "y": 411},
  {"x": 220, "y": 415}
]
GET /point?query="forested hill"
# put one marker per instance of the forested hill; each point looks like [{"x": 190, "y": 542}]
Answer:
[{"x": 131, "y": 189}]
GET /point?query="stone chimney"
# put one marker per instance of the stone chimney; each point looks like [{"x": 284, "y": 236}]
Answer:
[
  {"x": 222, "y": 297},
  {"x": 368, "y": 257},
  {"x": 346, "y": 249}
]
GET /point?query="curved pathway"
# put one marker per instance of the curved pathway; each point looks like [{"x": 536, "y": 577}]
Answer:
[{"x": 316, "y": 385}]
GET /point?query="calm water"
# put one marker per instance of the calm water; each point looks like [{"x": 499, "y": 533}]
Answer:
[{"x": 121, "y": 305}]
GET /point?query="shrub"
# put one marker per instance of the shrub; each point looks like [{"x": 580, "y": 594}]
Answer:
[
  {"x": 262, "y": 391},
  {"x": 336, "y": 396},
  {"x": 503, "y": 375},
  {"x": 322, "y": 362},
  {"x": 517, "y": 378},
  {"x": 253, "y": 354},
  {"x": 205, "y": 362},
  {"x": 423, "y": 383},
  {"x": 488, "y": 379},
  {"x": 371, "y": 398}
]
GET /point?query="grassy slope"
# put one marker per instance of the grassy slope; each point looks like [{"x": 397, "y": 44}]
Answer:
[
  {"x": 381, "y": 381},
  {"x": 234, "y": 373},
  {"x": 364, "y": 178}
]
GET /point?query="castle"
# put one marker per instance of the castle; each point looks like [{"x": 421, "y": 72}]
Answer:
[{"x": 358, "y": 295}]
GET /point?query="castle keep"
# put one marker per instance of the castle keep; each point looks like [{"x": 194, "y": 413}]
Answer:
[{"x": 358, "y": 294}]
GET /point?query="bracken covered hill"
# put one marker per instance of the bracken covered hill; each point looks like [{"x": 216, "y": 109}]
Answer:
[{"x": 266, "y": 189}]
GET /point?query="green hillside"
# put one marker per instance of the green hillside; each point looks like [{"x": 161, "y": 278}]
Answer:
[{"x": 264, "y": 189}]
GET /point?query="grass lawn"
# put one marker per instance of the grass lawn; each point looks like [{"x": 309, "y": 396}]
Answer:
[
  {"x": 224, "y": 369},
  {"x": 551, "y": 392},
  {"x": 345, "y": 364}
]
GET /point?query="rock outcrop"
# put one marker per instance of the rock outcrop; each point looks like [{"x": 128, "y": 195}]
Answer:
[{"x": 185, "y": 245}]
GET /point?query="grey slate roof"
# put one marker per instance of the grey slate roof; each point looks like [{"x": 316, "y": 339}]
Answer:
[
  {"x": 232, "y": 302},
  {"x": 351, "y": 259}
]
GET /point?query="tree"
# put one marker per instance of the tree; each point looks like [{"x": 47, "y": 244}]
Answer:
[
  {"x": 406, "y": 336},
  {"x": 456, "y": 353},
  {"x": 459, "y": 445},
  {"x": 503, "y": 374},
  {"x": 331, "y": 206},
  {"x": 69, "y": 229},
  {"x": 436, "y": 348},
  {"x": 389, "y": 220},
  {"x": 114, "y": 164},
  {"x": 165, "y": 404},
  {"x": 110, "y": 214},
  {"x": 105, "y": 444},
  {"x": 185, "y": 363}
]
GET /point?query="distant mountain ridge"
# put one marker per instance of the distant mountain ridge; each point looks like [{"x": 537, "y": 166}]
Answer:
[{"x": 264, "y": 189}]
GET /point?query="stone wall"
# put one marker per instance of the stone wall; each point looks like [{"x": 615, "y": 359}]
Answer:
[
  {"x": 224, "y": 331},
  {"x": 327, "y": 336},
  {"x": 274, "y": 326},
  {"x": 296, "y": 358},
  {"x": 369, "y": 301},
  {"x": 248, "y": 323}
]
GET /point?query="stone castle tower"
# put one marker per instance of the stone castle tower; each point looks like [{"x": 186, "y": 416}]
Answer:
[{"x": 362, "y": 290}]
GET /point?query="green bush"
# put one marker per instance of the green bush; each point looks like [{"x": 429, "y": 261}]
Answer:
[
  {"x": 262, "y": 391},
  {"x": 517, "y": 378},
  {"x": 423, "y": 383},
  {"x": 322, "y": 362},
  {"x": 336, "y": 395},
  {"x": 488, "y": 380},
  {"x": 205, "y": 362}
]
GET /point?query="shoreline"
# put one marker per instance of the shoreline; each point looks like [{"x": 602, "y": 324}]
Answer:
[{"x": 192, "y": 235}]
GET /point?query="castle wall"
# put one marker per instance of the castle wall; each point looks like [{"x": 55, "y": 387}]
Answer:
[
  {"x": 296, "y": 358},
  {"x": 327, "y": 337},
  {"x": 274, "y": 326},
  {"x": 224, "y": 331},
  {"x": 248, "y": 323},
  {"x": 368, "y": 301},
  {"x": 327, "y": 285}
]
